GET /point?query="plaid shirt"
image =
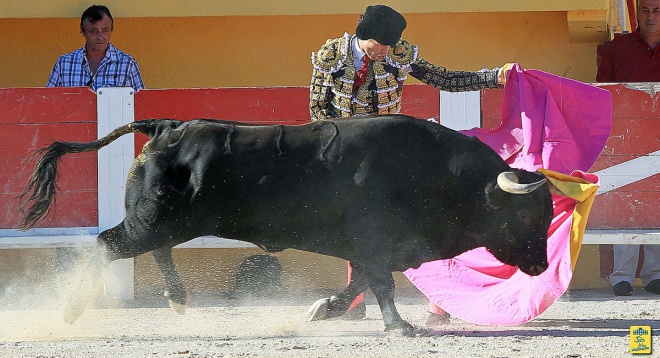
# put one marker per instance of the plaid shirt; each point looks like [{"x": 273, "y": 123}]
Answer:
[{"x": 117, "y": 69}]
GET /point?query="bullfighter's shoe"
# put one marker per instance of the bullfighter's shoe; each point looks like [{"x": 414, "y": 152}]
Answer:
[
  {"x": 623, "y": 288},
  {"x": 436, "y": 319},
  {"x": 653, "y": 287}
]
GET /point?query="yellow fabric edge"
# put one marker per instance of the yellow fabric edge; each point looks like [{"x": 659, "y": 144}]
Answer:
[{"x": 584, "y": 192}]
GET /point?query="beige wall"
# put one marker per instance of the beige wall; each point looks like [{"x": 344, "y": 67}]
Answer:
[{"x": 275, "y": 50}]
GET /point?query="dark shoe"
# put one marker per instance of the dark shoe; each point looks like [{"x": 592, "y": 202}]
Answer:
[
  {"x": 357, "y": 312},
  {"x": 653, "y": 287},
  {"x": 437, "y": 319},
  {"x": 624, "y": 288}
]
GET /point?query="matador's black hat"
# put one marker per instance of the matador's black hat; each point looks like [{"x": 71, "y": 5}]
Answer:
[{"x": 381, "y": 23}]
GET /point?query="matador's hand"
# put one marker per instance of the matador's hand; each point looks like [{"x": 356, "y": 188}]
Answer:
[{"x": 503, "y": 73}]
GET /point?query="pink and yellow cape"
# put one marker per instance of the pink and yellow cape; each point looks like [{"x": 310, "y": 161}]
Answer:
[{"x": 559, "y": 127}]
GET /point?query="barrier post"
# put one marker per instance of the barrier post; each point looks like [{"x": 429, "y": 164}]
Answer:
[
  {"x": 115, "y": 107},
  {"x": 460, "y": 110}
]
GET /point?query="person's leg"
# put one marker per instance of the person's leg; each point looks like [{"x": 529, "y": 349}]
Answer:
[
  {"x": 625, "y": 266},
  {"x": 651, "y": 269},
  {"x": 436, "y": 315},
  {"x": 338, "y": 305},
  {"x": 357, "y": 309},
  {"x": 433, "y": 308},
  {"x": 360, "y": 298}
]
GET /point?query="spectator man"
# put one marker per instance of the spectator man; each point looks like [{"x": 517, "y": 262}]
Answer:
[
  {"x": 98, "y": 63},
  {"x": 635, "y": 57}
]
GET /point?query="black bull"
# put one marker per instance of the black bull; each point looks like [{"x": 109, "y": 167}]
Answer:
[{"x": 387, "y": 193}]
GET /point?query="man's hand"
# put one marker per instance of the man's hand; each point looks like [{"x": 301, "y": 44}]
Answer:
[{"x": 503, "y": 73}]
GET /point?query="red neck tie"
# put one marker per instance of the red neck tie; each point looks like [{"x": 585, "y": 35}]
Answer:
[{"x": 361, "y": 74}]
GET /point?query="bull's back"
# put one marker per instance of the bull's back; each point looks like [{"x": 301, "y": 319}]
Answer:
[{"x": 300, "y": 186}]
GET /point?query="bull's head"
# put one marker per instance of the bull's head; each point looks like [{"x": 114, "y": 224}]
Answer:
[{"x": 522, "y": 208}]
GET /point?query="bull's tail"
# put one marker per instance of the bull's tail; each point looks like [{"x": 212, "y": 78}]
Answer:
[{"x": 35, "y": 201}]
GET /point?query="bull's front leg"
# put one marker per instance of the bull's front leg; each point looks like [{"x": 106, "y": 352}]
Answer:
[
  {"x": 381, "y": 283},
  {"x": 338, "y": 305},
  {"x": 174, "y": 289}
]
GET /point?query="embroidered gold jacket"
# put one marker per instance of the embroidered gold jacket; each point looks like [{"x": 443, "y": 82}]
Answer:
[{"x": 331, "y": 89}]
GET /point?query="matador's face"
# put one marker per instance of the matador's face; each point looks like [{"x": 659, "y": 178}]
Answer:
[{"x": 374, "y": 50}]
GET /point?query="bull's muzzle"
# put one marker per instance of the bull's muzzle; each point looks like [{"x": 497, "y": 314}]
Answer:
[{"x": 534, "y": 270}]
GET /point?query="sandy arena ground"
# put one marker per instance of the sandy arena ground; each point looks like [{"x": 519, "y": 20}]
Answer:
[{"x": 580, "y": 324}]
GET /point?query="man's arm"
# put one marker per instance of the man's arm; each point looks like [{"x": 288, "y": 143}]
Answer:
[
  {"x": 134, "y": 77},
  {"x": 55, "y": 79},
  {"x": 453, "y": 81},
  {"x": 319, "y": 97}
]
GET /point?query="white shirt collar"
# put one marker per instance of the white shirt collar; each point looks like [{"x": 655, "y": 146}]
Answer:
[{"x": 357, "y": 53}]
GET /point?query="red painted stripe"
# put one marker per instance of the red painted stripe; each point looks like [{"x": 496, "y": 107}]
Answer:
[
  {"x": 76, "y": 173},
  {"x": 32, "y": 118},
  {"x": 625, "y": 210},
  {"x": 263, "y": 105},
  {"x": 20, "y": 140},
  {"x": 71, "y": 210},
  {"x": 630, "y": 103},
  {"x": 421, "y": 101},
  {"x": 46, "y": 105},
  {"x": 283, "y": 105},
  {"x": 491, "y": 103},
  {"x": 633, "y": 135}
]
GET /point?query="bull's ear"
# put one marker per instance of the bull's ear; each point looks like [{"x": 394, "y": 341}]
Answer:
[{"x": 494, "y": 195}]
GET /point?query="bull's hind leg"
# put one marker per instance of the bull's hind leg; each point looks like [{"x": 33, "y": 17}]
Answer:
[
  {"x": 338, "y": 305},
  {"x": 174, "y": 289},
  {"x": 86, "y": 279}
]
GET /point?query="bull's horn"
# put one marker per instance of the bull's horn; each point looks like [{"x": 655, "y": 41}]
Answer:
[{"x": 508, "y": 181}]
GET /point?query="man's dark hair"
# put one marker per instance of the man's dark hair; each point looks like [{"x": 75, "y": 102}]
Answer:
[{"x": 95, "y": 13}]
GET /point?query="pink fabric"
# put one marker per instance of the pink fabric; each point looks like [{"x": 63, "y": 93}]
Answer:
[{"x": 548, "y": 122}]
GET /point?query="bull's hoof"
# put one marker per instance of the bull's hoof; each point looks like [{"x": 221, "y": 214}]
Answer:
[
  {"x": 324, "y": 308},
  {"x": 180, "y": 309},
  {"x": 73, "y": 311},
  {"x": 319, "y": 310},
  {"x": 177, "y": 302},
  {"x": 76, "y": 303},
  {"x": 401, "y": 330}
]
